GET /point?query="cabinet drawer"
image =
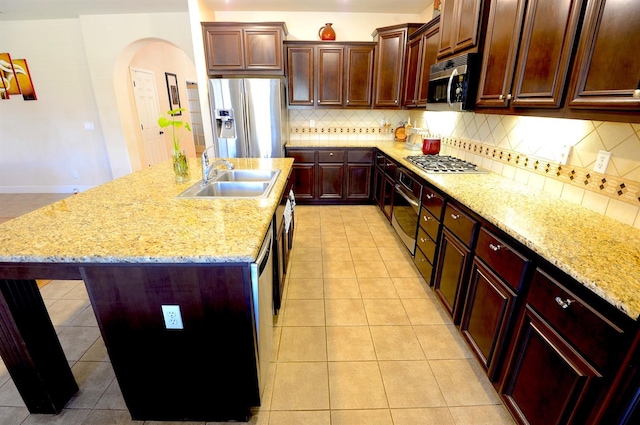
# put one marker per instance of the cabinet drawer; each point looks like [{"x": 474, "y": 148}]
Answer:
[
  {"x": 594, "y": 335},
  {"x": 501, "y": 258},
  {"x": 433, "y": 202},
  {"x": 330, "y": 156},
  {"x": 427, "y": 245},
  {"x": 460, "y": 224},
  {"x": 429, "y": 224},
  {"x": 360, "y": 156},
  {"x": 424, "y": 266},
  {"x": 302, "y": 156}
]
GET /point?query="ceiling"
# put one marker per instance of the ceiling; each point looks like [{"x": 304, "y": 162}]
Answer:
[{"x": 11, "y": 10}]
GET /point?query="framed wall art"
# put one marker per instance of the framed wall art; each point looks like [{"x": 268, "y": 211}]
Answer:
[{"x": 172, "y": 91}]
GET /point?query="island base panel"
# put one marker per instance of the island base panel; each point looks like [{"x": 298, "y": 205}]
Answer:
[
  {"x": 31, "y": 350},
  {"x": 204, "y": 372}
]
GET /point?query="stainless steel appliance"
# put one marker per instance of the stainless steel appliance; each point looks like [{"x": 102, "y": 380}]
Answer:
[
  {"x": 406, "y": 209},
  {"x": 249, "y": 117},
  {"x": 453, "y": 84},
  {"x": 262, "y": 290},
  {"x": 444, "y": 164}
]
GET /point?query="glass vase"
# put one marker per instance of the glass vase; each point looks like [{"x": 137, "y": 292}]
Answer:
[{"x": 180, "y": 166}]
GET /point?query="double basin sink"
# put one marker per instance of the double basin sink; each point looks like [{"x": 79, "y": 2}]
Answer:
[{"x": 234, "y": 184}]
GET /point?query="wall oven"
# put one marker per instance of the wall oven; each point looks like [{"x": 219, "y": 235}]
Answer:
[
  {"x": 453, "y": 84},
  {"x": 405, "y": 214}
]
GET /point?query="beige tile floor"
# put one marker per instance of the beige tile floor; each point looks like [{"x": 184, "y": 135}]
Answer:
[{"x": 360, "y": 339}]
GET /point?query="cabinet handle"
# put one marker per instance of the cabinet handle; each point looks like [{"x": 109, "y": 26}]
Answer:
[
  {"x": 455, "y": 216},
  {"x": 429, "y": 196},
  {"x": 423, "y": 240},
  {"x": 389, "y": 164},
  {"x": 495, "y": 248},
  {"x": 422, "y": 260},
  {"x": 426, "y": 217},
  {"x": 564, "y": 303}
]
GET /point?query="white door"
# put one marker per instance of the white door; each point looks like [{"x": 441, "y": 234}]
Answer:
[{"x": 153, "y": 142}]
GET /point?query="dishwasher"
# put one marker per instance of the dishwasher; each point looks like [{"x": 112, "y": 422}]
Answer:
[{"x": 262, "y": 290}]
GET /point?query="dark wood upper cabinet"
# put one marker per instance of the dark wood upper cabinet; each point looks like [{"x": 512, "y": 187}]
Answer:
[
  {"x": 421, "y": 54},
  {"x": 330, "y": 74},
  {"x": 548, "y": 35},
  {"x": 606, "y": 73},
  {"x": 459, "y": 26},
  {"x": 249, "y": 48},
  {"x": 359, "y": 75},
  {"x": 390, "y": 64},
  {"x": 527, "y": 64}
]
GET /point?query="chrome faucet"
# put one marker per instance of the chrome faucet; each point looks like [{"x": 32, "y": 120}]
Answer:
[{"x": 207, "y": 168}]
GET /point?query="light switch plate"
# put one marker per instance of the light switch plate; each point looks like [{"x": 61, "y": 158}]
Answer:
[{"x": 602, "y": 162}]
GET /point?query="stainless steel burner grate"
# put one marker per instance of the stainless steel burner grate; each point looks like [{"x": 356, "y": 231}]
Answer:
[{"x": 444, "y": 164}]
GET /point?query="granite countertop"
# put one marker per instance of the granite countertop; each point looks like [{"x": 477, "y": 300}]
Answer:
[
  {"x": 599, "y": 252},
  {"x": 137, "y": 219}
]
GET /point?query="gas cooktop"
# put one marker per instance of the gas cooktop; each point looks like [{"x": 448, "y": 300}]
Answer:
[{"x": 444, "y": 164}]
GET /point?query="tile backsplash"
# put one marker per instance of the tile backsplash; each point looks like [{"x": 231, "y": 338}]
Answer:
[{"x": 530, "y": 150}]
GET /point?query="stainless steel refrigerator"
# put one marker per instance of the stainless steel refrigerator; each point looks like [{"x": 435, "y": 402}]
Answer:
[{"x": 249, "y": 117}]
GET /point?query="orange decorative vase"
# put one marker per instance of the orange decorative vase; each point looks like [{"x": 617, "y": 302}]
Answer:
[{"x": 326, "y": 32}]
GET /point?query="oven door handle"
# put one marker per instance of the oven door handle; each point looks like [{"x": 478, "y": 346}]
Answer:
[{"x": 406, "y": 197}]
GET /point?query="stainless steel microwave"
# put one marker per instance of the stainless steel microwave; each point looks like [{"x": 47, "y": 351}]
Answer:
[{"x": 453, "y": 84}]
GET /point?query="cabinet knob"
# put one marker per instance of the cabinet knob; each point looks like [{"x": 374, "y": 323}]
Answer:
[
  {"x": 455, "y": 216},
  {"x": 395, "y": 101},
  {"x": 347, "y": 101},
  {"x": 422, "y": 260},
  {"x": 636, "y": 94},
  {"x": 500, "y": 97},
  {"x": 564, "y": 303},
  {"x": 509, "y": 96},
  {"x": 426, "y": 218},
  {"x": 429, "y": 196},
  {"x": 495, "y": 248},
  {"x": 330, "y": 153},
  {"x": 423, "y": 240}
]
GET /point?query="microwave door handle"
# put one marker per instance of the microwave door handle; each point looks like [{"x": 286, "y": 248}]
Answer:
[{"x": 453, "y": 74}]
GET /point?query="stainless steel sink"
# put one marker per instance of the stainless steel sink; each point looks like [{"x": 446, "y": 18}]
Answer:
[
  {"x": 245, "y": 175},
  {"x": 234, "y": 184}
]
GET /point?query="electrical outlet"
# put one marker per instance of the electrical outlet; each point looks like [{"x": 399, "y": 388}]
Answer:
[
  {"x": 602, "y": 162},
  {"x": 172, "y": 317},
  {"x": 312, "y": 123}
]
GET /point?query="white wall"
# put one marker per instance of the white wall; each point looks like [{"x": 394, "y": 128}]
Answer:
[
  {"x": 43, "y": 141},
  {"x": 80, "y": 73}
]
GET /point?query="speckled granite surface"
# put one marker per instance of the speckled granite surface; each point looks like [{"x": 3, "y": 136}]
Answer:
[
  {"x": 137, "y": 219},
  {"x": 601, "y": 253}
]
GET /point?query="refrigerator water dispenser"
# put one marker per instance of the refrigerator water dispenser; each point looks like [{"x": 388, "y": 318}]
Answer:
[{"x": 225, "y": 124}]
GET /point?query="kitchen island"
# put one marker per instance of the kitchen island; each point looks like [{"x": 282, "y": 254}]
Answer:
[{"x": 137, "y": 248}]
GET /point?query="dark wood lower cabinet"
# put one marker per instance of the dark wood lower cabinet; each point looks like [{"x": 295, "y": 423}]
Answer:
[
  {"x": 488, "y": 310},
  {"x": 548, "y": 382},
  {"x": 451, "y": 274},
  {"x": 359, "y": 181},
  {"x": 330, "y": 181},
  {"x": 304, "y": 180}
]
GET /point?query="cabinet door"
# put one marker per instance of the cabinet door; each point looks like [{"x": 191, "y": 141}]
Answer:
[
  {"x": 224, "y": 49},
  {"x": 301, "y": 79},
  {"x": 451, "y": 273},
  {"x": 414, "y": 56},
  {"x": 263, "y": 49},
  {"x": 330, "y": 176},
  {"x": 303, "y": 176},
  {"x": 544, "y": 56},
  {"x": 359, "y": 76},
  {"x": 547, "y": 381},
  {"x": 358, "y": 181},
  {"x": 388, "y": 69},
  {"x": 429, "y": 53},
  {"x": 487, "y": 312},
  {"x": 500, "y": 53},
  {"x": 330, "y": 65},
  {"x": 378, "y": 186},
  {"x": 607, "y": 67},
  {"x": 466, "y": 30},
  {"x": 448, "y": 22}
]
